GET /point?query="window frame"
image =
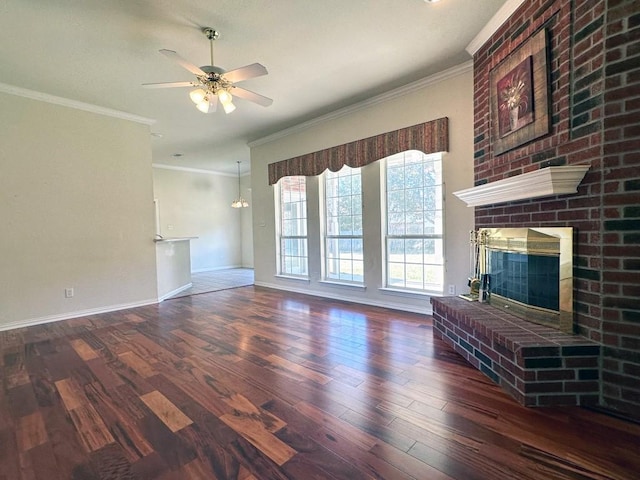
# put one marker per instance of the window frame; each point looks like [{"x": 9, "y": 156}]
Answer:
[
  {"x": 328, "y": 237},
  {"x": 438, "y": 238},
  {"x": 281, "y": 254}
]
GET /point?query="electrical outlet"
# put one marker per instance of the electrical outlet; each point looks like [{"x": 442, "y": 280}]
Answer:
[
  {"x": 452, "y": 289},
  {"x": 68, "y": 292}
]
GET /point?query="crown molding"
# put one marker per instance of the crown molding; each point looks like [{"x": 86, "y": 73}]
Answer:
[
  {"x": 65, "y": 102},
  {"x": 196, "y": 170},
  {"x": 494, "y": 24},
  {"x": 390, "y": 95},
  {"x": 538, "y": 183}
]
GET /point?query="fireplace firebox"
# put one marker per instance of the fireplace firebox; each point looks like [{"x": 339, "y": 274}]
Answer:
[{"x": 529, "y": 273}]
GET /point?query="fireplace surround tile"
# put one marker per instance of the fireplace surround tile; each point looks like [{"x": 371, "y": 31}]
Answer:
[{"x": 535, "y": 364}]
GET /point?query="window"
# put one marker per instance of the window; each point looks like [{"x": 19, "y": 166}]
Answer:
[
  {"x": 414, "y": 222},
  {"x": 343, "y": 226},
  {"x": 292, "y": 226}
]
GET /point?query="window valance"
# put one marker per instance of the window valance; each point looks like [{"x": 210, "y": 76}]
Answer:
[{"x": 429, "y": 137}]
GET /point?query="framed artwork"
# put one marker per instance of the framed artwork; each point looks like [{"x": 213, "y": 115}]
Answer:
[{"x": 519, "y": 96}]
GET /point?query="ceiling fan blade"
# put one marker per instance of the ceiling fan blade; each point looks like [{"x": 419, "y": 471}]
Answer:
[
  {"x": 170, "y": 84},
  {"x": 251, "y": 96},
  {"x": 243, "y": 73},
  {"x": 182, "y": 62}
]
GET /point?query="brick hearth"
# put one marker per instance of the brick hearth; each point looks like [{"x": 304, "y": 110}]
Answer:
[{"x": 537, "y": 365}]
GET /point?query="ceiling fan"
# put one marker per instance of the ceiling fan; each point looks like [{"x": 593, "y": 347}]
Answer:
[{"x": 214, "y": 83}]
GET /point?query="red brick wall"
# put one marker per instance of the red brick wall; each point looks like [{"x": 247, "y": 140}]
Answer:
[{"x": 594, "y": 62}]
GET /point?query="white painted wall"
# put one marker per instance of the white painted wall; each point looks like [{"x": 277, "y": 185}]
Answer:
[
  {"x": 198, "y": 204},
  {"x": 76, "y": 204},
  {"x": 448, "y": 95}
]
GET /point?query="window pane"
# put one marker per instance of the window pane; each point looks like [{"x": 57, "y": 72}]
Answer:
[
  {"x": 395, "y": 201},
  {"x": 288, "y": 227},
  {"x": 433, "y": 223},
  {"x": 414, "y": 176},
  {"x": 357, "y": 248},
  {"x": 395, "y": 224},
  {"x": 356, "y": 185},
  {"x": 415, "y": 276},
  {"x": 344, "y": 206},
  {"x": 415, "y": 223},
  {"x": 395, "y": 178},
  {"x": 433, "y": 199},
  {"x": 413, "y": 251},
  {"x": 413, "y": 200},
  {"x": 396, "y": 275},
  {"x": 357, "y": 225},
  {"x": 346, "y": 226},
  {"x": 396, "y": 250},
  {"x": 331, "y": 187},
  {"x": 344, "y": 186}
]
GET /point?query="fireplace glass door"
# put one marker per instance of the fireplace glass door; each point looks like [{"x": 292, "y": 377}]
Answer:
[{"x": 530, "y": 272}]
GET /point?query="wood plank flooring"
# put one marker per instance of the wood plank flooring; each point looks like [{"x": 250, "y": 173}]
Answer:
[{"x": 253, "y": 383}]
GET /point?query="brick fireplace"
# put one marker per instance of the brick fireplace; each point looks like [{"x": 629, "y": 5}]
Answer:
[{"x": 594, "y": 87}]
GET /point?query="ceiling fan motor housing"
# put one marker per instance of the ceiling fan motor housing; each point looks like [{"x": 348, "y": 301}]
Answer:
[{"x": 212, "y": 70}]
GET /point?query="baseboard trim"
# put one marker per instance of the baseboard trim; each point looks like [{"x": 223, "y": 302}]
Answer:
[
  {"x": 215, "y": 269},
  {"x": 78, "y": 313},
  {"x": 363, "y": 301},
  {"x": 174, "y": 292}
]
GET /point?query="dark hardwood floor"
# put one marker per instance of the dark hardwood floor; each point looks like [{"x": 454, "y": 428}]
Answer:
[{"x": 253, "y": 383}]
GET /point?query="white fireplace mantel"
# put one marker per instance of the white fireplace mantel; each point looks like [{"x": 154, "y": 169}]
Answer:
[{"x": 539, "y": 183}]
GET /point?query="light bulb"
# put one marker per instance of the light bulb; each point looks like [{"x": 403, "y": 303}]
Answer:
[
  {"x": 203, "y": 106},
  {"x": 197, "y": 95},
  {"x": 228, "y": 107},
  {"x": 225, "y": 97}
]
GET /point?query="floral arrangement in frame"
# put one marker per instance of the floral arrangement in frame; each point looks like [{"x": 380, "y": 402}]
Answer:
[{"x": 519, "y": 98}]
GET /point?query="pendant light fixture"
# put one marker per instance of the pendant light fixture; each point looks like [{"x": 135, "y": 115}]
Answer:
[{"x": 240, "y": 202}]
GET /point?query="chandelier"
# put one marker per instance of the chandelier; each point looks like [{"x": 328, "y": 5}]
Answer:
[{"x": 239, "y": 202}]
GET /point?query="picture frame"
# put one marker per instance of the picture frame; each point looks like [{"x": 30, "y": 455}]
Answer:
[{"x": 519, "y": 96}]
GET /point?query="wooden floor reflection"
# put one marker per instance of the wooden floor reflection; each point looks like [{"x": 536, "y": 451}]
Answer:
[{"x": 253, "y": 383}]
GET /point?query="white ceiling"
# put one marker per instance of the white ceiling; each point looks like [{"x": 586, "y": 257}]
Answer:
[{"x": 321, "y": 55}]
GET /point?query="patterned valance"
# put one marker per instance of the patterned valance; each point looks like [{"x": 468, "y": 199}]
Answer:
[{"x": 429, "y": 137}]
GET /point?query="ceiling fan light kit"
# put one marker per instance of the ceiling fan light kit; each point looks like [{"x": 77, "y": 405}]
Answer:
[
  {"x": 215, "y": 83},
  {"x": 197, "y": 95}
]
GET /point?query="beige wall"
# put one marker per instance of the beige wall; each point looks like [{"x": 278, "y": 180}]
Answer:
[
  {"x": 173, "y": 259},
  {"x": 450, "y": 95},
  {"x": 76, "y": 205},
  {"x": 196, "y": 204},
  {"x": 246, "y": 223}
]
